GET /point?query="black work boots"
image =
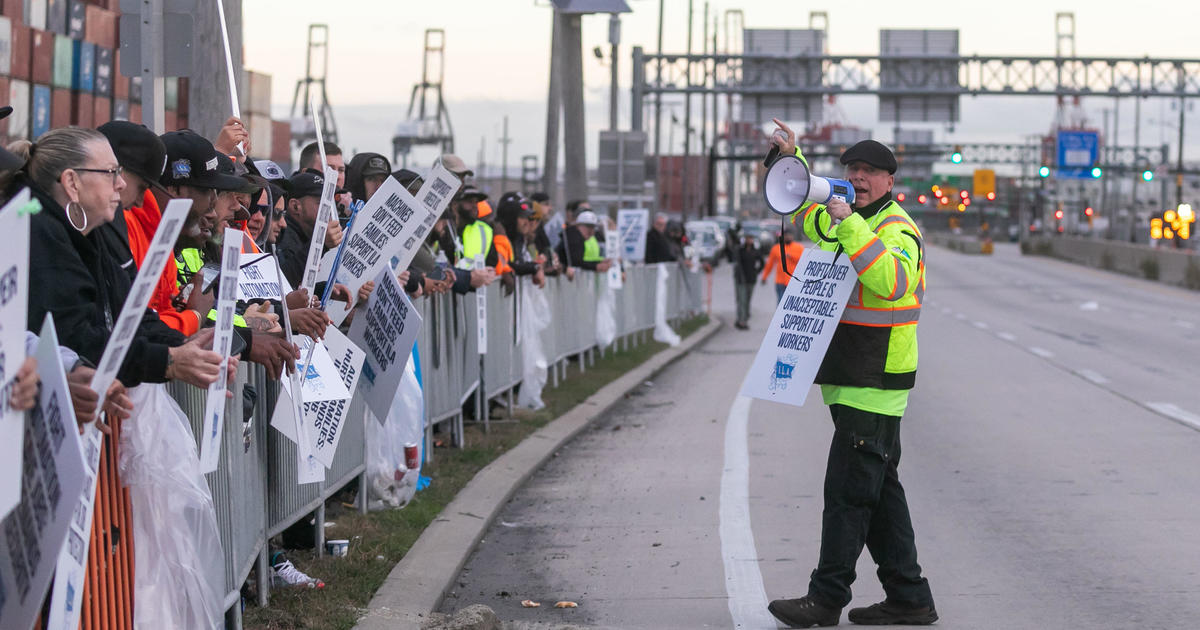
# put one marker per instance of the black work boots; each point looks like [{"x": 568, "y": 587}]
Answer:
[
  {"x": 804, "y": 612},
  {"x": 886, "y": 613}
]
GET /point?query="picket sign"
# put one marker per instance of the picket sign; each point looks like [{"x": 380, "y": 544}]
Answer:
[{"x": 214, "y": 407}]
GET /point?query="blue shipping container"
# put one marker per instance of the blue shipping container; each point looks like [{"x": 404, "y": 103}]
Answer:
[
  {"x": 84, "y": 79},
  {"x": 104, "y": 71},
  {"x": 41, "y": 110}
]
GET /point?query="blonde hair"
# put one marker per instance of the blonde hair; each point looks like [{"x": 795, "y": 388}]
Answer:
[{"x": 56, "y": 151}]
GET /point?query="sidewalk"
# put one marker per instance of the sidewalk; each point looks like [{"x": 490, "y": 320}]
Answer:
[{"x": 416, "y": 585}]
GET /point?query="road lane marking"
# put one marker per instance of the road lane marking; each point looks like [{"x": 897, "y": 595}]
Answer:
[
  {"x": 743, "y": 578},
  {"x": 1173, "y": 412},
  {"x": 1041, "y": 352},
  {"x": 1007, "y": 336},
  {"x": 1092, "y": 376},
  {"x": 980, "y": 325}
]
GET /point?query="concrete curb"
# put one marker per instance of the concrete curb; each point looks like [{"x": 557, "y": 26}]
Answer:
[{"x": 418, "y": 583}]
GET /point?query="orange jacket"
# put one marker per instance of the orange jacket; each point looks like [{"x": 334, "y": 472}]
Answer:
[
  {"x": 504, "y": 251},
  {"x": 142, "y": 222},
  {"x": 794, "y": 250}
]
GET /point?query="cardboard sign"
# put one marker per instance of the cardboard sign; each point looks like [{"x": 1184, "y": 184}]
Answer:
[
  {"x": 258, "y": 279},
  {"x": 632, "y": 225},
  {"x": 214, "y": 407},
  {"x": 325, "y": 213},
  {"x": 308, "y": 469},
  {"x": 792, "y": 350},
  {"x": 321, "y": 381},
  {"x": 326, "y": 418},
  {"x": 53, "y": 477},
  {"x": 439, "y": 188},
  {"x": 481, "y": 310},
  {"x": 139, "y": 296},
  {"x": 392, "y": 225},
  {"x": 386, "y": 330},
  {"x": 14, "y": 301}
]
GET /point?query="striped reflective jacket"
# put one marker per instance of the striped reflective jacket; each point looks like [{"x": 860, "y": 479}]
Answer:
[{"x": 875, "y": 344}]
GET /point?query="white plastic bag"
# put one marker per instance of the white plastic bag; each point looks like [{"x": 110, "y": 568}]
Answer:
[
  {"x": 390, "y": 482},
  {"x": 179, "y": 574},
  {"x": 534, "y": 318},
  {"x": 662, "y": 331},
  {"x": 606, "y": 315}
]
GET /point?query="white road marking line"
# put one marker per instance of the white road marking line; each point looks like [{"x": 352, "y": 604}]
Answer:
[
  {"x": 1184, "y": 324},
  {"x": 980, "y": 325},
  {"x": 1089, "y": 306},
  {"x": 1041, "y": 352},
  {"x": 1007, "y": 336},
  {"x": 959, "y": 316},
  {"x": 743, "y": 578},
  {"x": 1173, "y": 412},
  {"x": 945, "y": 310},
  {"x": 1092, "y": 376}
]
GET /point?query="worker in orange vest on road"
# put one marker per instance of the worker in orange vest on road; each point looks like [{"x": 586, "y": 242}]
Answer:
[{"x": 793, "y": 250}]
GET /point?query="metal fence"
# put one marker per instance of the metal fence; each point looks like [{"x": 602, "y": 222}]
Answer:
[{"x": 255, "y": 488}]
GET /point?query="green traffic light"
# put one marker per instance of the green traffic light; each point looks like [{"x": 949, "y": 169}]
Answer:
[
  {"x": 1147, "y": 175},
  {"x": 956, "y": 157},
  {"x": 1044, "y": 171},
  {"x": 1097, "y": 172}
]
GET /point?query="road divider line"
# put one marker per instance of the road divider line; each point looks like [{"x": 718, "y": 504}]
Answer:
[
  {"x": 1092, "y": 376},
  {"x": 1007, "y": 336},
  {"x": 980, "y": 325},
  {"x": 1041, "y": 352},
  {"x": 1173, "y": 412},
  {"x": 743, "y": 578}
]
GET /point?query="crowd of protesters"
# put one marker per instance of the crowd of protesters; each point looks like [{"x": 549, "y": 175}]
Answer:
[{"x": 103, "y": 193}]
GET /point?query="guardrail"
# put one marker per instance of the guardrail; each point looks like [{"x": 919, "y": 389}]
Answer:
[{"x": 254, "y": 488}]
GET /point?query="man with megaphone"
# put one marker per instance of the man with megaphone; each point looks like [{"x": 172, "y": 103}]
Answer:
[{"x": 865, "y": 377}]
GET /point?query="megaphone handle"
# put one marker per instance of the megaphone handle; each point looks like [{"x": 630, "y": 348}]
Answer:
[
  {"x": 772, "y": 155},
  {"x": 782, "y": 254}
]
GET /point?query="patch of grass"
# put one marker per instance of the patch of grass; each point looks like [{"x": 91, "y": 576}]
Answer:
[{"x": 379, "y": 540}]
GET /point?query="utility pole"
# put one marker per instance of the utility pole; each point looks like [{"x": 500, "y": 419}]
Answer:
[
  {"x": 687, "y": 119},
  {"x": 575, "y": 174},
  {"x": 658, "y": 98},
  {"x": 614, "y": 38},
  {"x": 1137, "y": 146},
  {"x": 504, "y": 142},
  {"x": 553, "y": 107},
  {"x": 1179, "y": 162}
]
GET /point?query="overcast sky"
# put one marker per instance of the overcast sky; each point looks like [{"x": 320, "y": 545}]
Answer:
[{"x": 497, "y": 55}]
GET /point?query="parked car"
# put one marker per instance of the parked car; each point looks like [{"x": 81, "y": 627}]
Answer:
[{"x": 708, "y": 239}]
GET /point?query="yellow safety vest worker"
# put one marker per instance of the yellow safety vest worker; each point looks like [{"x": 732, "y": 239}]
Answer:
[
  {"x": 476, "y": 241},
  {"x": 591, "y": 250}
]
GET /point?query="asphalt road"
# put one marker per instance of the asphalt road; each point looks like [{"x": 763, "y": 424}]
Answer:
[{"x": 1050, "y": 459}]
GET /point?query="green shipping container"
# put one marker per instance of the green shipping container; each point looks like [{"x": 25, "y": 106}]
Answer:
[
  {"x": 171, "y": 87},
  {"x": 64, "y": 61}
]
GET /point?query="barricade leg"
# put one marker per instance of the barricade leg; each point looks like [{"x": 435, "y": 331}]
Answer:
[
  {"x": 319, "y": 529},
  {"x": 362, "y": 493},
  {"x": 460, "y": 438},
  {"x": 233, "y": 617},
  {"x": 263, "y": 568},
  {"x": 428, "y": 450}
]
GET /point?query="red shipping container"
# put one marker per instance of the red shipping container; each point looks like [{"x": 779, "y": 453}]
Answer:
[
  {"x": 135, "y": 113},
  {"x": 182, "y": 121},
  {"x": 60, "y": 108},
  {"x": 22, "y": 43},
  {"x": 170, "y": 121},
  {"x": 82, "y": 109},
  {"x": 15, "y": 9},
  {"x": 181, "y": 98},
  {"x": 101, "y": 110},
  {"x": 281, "y": 143},
  {"x": 120, "y": 81},
  {"x": 42, "y": 62},
  {"x": 100, "y": 28}
]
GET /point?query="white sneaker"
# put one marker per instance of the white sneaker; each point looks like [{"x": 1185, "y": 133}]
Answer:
[{"x": 286, "y": 574}]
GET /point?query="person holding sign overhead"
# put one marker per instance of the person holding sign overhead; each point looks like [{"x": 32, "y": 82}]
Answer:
[{"x": 865, "y": 377}]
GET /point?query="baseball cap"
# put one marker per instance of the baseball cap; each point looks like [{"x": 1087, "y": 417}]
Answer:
[
  {"x": 138, "y": 149},
  {"x": 376, "y": 165},
  {"x": 513, "y": 202},
  {"x": 469, "y": 192},
  {"x": 226, "y": 166},
  {"x": 872, "y": 152},
  {"x": 192, "y": 161},
  {"x": 306, "y": 183},
  {"x": 455, "y": 165},
  {"x": 587, "y": 217}
]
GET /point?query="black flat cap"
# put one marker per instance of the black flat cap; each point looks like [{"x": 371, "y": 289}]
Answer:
[{"x": 872, "y": 152}]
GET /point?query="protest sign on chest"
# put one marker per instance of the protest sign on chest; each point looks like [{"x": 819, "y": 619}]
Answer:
[
  {"x": 631, "y": 226},
  {"x": 803, "y": 325},
  {"x": 386, "y": 330},
  {"x": 53, "y": 473},
  {"x": 258, "y": 279}
]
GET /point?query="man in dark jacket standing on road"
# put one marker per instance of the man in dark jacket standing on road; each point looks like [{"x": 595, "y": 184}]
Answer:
[{"x": 747, "y": 261}]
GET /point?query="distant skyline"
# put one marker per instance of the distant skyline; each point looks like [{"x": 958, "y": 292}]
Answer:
[{"x": 498, "y": 52}]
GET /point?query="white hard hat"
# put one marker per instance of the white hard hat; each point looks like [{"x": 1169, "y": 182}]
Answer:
[{"x": 587, "y": 217}]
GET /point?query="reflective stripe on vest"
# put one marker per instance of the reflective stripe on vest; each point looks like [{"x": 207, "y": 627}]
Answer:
[
  {"x": 476, "y": 241},
  {"x": 885, "y": 318}
]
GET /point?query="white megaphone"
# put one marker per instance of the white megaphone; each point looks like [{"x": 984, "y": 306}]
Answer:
[{"x": 789, "y": 185}]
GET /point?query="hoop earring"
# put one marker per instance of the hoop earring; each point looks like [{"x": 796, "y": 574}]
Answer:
[{"x": 81, "y": 211}]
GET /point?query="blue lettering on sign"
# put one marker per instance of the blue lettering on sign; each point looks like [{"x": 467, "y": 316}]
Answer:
[{"x": 781, "y": 375}]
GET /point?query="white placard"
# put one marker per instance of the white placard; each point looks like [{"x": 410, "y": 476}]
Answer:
[
  {"x": 792, "y": 350},
  {"x": 632, "y": 225},
  {"x": 326, "y": 418},
  {"x": 14, "y": 303},
  {"x": 258, "y": 279},
  {"x": 308, "y": 469},
  {"x": 386, "y": 330},
  {"x": 391, "y": 225},
  {"x": 139, "y": 296},
  {"x": 33, "y": 534},
  {"x": 481, "y": 310},
  {"x": 322, "y": 381},
  {"x": 325, "y": 214},
  {"x": 439, "y": 188},
  {"x": 214, "y": 407}
]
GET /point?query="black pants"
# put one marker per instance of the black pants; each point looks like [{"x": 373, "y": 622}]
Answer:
[{"x": 865, "y": 504}]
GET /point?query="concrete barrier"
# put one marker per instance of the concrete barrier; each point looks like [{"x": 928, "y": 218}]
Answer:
[{"x": 1179, "y": 267}]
